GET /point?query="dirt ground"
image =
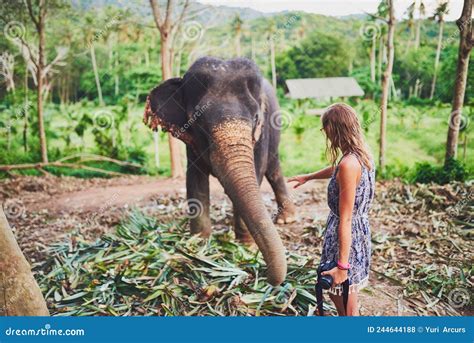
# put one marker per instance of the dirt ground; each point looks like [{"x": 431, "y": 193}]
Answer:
[{"x": 43, "y": 210}]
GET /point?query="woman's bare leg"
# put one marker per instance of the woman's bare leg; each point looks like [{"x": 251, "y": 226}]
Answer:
[{"x": 352, "y": 304}]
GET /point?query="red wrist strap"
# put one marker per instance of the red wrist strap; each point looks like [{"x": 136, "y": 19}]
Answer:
[{"x": 343, "y": 266}]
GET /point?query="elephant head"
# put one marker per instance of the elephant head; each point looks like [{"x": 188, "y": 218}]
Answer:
[{"x": 218, "y": 110}]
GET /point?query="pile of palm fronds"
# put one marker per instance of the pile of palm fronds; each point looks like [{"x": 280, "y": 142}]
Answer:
[
  {"x": 146, "y": 268},
  {"x": 426, "y": 245}
]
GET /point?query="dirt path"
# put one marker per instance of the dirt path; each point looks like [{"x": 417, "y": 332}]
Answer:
[{"x": 52, "y": 208}]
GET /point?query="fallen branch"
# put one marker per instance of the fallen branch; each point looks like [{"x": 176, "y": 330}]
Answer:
[
  {"x": 61, "y": 163},
  {"x": 40, "y": 166}
]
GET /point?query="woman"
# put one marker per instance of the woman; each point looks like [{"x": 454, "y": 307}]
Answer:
[{"x": 350, "y": 192}]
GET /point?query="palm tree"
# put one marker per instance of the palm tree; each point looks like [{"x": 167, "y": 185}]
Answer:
[
  {"x": 387, "y": 7},
  {"x": 439, "y": 15},
  {"x": 237, "y": 24},
  {"x": 271, "y": 29},
  {"x": 466, "y": 43},
  {"x": 91, "y": 38}
]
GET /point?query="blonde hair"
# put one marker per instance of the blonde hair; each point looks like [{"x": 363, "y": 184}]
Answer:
[{"x": 344, "y": 134}]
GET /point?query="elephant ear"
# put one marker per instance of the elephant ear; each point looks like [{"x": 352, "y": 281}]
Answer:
[{"x": 165, "y": 107}]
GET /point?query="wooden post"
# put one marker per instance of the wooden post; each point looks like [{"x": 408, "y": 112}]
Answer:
[{"x": 19, "y": 292}]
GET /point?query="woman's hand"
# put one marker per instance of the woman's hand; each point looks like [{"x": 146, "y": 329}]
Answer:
[
  {"x": 301, "y": 179},
  {"x": 338, "y": 275}
]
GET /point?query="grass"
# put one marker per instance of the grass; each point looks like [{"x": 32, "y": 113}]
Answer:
[{"x": 414, "y": 134}]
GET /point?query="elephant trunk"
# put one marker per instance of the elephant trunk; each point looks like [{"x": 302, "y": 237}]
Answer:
[{"x": 232, "y": 156}]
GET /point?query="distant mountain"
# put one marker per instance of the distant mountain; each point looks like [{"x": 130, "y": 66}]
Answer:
[{"x": 218, "y": 14}]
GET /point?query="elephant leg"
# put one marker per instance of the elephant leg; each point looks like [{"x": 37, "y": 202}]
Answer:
[
  {"x": 286, "y": 209},
  {"x": 241, "y": 231},
  {"x": 197, "y": 185}
]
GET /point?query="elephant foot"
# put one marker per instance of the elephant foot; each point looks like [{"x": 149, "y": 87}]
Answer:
[
  {"x": 203, "y": 231},
  {"x": 287, "y": 215}
]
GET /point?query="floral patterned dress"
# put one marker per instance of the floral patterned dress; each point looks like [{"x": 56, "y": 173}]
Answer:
[{"x": 359, "y": 256}]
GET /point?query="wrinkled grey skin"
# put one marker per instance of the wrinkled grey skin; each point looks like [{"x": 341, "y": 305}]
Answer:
[{"x": 228, "y": 116}]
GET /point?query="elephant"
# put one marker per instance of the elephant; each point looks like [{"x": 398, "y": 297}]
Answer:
[{"x": 228, "y": 116}]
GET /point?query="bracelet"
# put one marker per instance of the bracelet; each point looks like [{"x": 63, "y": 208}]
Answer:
[{"x": 343, "y": 266}]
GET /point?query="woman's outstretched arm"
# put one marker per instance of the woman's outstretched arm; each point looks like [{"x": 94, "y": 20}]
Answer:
[{"x": 320, "y": 174}]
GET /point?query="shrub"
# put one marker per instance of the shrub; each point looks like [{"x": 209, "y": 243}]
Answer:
[{"x": 453, "y": 170}]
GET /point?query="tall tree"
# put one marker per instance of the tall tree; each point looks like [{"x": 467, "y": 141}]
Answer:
[
  {"x": 421, "y": 14},
  {"x": 390, "y": 20},
  {"x": 439, "y": 15},
  {"x": 38, "y": 18},
  {"x": 271, "y": 29},
  {"x": 237, "y": 24},
  {"x": 168, "y": 26},
  {"x": 466, "y": 43},
  {"x": 91, "y": 38}
]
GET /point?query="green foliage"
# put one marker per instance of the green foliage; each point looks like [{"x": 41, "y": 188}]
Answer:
[
  {"x": 320, "y": 55},
  {"x": 453, "y": 170}
]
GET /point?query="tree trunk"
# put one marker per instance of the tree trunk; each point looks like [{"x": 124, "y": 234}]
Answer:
[
  {"x": 19, "y": 292},
  {"x": 272, "y": 61},
  {"x": 386, "y": 84},
  {"x": 417, "y": 36},
  {"x": 380, "y": 57},
  {"x": 254, "y": 58},
  {"x": 96, "y": 74},
  {"x": 438, "y": 54},
  {"x": 372, "y": 58},
  {"x": 465, "y": 46},
  {"x": 166, "y": 69},
  {"x": 238, "y": 50},
  {"x": 116, "y": 74},
  {"x": 26, "y": 114},
  {"x": 40, "y": 78},
  {"x": 156, "y": 142}
]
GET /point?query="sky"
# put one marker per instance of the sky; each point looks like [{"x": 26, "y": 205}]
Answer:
[{"x": 335, "y": 7}]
